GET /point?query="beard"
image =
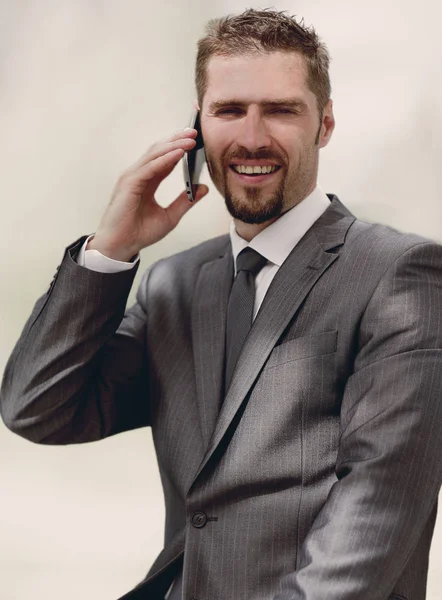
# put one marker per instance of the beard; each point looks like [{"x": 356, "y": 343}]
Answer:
[
  {"x": 252, "y": 210},
  {"x": 254, "y": 204}
]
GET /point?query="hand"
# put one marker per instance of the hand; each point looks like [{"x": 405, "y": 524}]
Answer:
[{"x": 134, "y": 220}]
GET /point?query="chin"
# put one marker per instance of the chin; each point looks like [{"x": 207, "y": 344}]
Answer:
[{"x": 253, "y": 215}]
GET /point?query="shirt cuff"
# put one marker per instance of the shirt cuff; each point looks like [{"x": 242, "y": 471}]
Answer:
[{"x": 95, "y": 261}]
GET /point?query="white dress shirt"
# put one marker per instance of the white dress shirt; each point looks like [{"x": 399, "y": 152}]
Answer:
[{"x": 275, "y": 243}]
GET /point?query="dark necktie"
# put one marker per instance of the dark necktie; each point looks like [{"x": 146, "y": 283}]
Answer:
[{"x": 240, "y": 309}]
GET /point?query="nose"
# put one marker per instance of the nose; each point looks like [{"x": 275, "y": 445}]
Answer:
[{"x": 252, "y": 131}]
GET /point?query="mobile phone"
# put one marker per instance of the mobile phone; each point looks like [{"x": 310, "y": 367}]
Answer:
[{"x": 194, "y": 159}]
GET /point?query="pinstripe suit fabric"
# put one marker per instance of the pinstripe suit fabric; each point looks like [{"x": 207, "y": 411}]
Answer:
[{"x": 319, "y": 471}]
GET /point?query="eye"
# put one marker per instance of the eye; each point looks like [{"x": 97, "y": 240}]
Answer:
[{"x": 227, "y": 111}]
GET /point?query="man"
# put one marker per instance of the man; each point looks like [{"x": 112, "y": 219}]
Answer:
[{"x": 300, "y": 456}]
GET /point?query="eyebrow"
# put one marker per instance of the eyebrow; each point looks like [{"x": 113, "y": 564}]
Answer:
[{"x": 290, "y": 102}]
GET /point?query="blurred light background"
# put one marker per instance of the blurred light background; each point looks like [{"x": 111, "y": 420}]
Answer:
[{"x": 86, "y": 88}]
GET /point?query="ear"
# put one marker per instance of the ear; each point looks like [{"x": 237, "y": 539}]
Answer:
[
  {"x": 196, "y": 105},
  {"x": 328, "y": 124}
]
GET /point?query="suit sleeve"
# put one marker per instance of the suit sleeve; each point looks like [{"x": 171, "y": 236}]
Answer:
[
  {"x": 79, "y": 371},
  {"x": 389, "y": 463}
]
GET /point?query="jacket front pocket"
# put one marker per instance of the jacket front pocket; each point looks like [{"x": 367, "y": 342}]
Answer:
[{"x": 303, "y": 347}]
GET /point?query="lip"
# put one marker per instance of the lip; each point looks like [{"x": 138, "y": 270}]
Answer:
[{"x": 254, "y": 179}]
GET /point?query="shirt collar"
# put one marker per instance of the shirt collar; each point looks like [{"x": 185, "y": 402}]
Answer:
[{"x": 276, "y": 241}]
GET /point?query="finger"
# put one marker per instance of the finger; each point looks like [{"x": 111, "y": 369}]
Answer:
[
  {"x": 181, "y": 204},
  {"x": 183, "y": 134},
  {"x": 158, "y": 150},
  {"x": 148, "y": 178},
  {"x": 186, "y": 132}
]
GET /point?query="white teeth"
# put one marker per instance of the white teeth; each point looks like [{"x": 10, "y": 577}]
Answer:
[{"x": 250, "y": 170}]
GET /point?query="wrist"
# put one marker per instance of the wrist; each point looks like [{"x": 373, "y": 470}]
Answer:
[{"x": 121, "y": 254}]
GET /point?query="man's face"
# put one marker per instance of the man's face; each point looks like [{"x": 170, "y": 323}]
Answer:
[{"x": 241, "y": 128}]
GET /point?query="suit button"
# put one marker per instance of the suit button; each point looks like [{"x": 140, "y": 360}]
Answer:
[{"x": 199, "y": 519}]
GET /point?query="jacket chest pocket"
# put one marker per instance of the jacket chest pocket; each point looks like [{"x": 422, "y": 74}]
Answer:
[{"x": 303, "y": 347}]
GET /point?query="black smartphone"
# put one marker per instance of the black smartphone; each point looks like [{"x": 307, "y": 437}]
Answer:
[{"x": 193, "y": 160}]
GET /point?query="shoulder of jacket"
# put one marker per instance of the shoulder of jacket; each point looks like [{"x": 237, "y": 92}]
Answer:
[
  {"x": 196, "y": 255},
  {"x": 379, "y": 239},
  {"x": 183, "y": 264}
]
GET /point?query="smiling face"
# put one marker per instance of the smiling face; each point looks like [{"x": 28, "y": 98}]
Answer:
[{"x": 258, "y": 111}]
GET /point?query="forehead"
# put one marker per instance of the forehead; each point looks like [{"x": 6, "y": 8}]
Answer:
[{"x": 249, "y": 78}]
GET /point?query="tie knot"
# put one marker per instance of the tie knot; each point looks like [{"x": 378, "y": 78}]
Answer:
[{"x": 250, "y": 260}]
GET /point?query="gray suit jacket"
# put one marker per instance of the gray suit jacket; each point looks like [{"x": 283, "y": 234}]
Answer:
[{"x": 316, "y": 476}]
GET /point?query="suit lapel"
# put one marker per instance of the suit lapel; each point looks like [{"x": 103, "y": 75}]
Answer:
[
  {"x": 296, "y": 277},
  {"x": 209, "y": 326}
]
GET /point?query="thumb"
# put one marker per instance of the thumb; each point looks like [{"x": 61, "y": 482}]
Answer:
[
  {"x": 201, "y": 191},
  {"x": 181, "y": 205}
]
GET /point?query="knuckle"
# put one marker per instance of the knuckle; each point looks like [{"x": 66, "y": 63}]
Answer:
[
  {"x": 127, "y": 179},
  {"x": 124, "y": 177}
]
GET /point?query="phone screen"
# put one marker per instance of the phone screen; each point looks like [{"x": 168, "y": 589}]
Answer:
[{"x": 193, "y": 160}]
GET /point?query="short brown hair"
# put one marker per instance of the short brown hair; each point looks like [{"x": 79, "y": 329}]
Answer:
[{"x": 260, "y": 31}]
